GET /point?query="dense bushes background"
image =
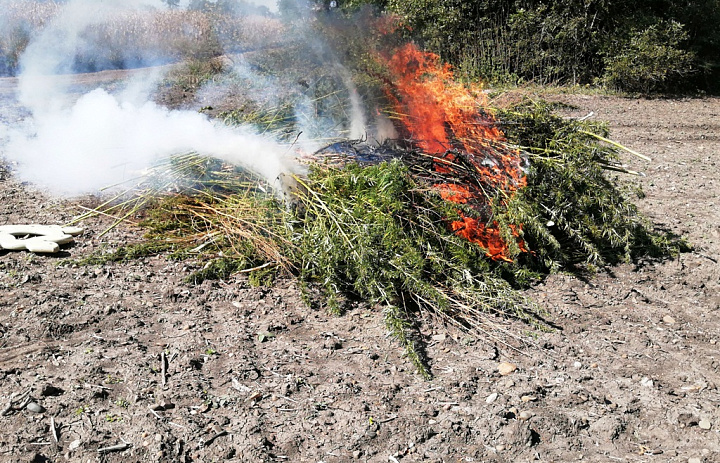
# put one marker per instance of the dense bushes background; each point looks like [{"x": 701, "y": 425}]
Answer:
[
  {"x": 645, "y": 45},
  {"x": 638, "y": 46}
]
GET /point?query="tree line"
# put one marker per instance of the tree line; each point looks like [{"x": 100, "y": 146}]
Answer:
[{"x": 637, "y": 46}]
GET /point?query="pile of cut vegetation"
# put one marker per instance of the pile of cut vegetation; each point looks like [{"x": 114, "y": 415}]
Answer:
[{"x": 453, "y": 218}]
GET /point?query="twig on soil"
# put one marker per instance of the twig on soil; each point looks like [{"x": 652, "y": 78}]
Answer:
[
  {"x": 212, "y": 439},
  {"x": 705, "y": 256},
  {"x": 163, "y": 368},
  {"x": 622, "y": 170},
  {"x": 437, "y": 388},
  {"x": 587, "y": 116},
  {"x": 115, "y": 448},
  {"x": 388, "y": 419},
  {"x": 24, "y": 403},
  {"x": 53, "y": 429},
  {"x": 616, "y": 145},
  {"x": 16, "y": 402},
  {"x": 260, "y": 267},
  {"x": 157, "y": 415},
  {"x": 99, "y": 386}
]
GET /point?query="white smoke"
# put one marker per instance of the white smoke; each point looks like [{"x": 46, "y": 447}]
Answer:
[
  {"x": 79, "y": 143},
  {"x": 271, "y": 5},
  {"x": 358, "y": 124},
  {"x": 72, "y": 147},
  {"x": 100, "y": 141}
]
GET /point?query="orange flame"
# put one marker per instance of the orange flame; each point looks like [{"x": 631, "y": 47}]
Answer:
[
  {"x": 431, "y": 103},
  {"x": 442, "y": 115},
  {"x": 456, "y": 193},
  {"x": 488, "y": 237}
]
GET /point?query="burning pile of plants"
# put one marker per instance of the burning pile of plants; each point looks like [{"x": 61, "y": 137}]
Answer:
[{"x": 452, "y": 218}]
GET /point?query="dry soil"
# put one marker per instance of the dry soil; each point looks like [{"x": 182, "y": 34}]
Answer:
[{"x": 127, "y": 363}]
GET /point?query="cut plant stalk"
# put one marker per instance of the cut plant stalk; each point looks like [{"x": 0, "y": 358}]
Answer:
[{"x": 617, "y": 145}]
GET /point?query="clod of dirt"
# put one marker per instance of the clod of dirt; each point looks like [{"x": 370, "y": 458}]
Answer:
[
  {"x": 686, "y": 420},
  {"x": 506, "y": 368},
  {"x": 525, "y": 415},
  {"x": 518, "y": 435},
  {"x": 608, "y": 428}
]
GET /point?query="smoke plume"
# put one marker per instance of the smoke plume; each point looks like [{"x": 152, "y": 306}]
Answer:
[
  {"x": 78, "y": 140},
  {"x": 73, "y": 145}
]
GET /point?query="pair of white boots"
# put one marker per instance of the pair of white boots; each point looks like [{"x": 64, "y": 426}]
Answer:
[{"x": 36, "y": 238}]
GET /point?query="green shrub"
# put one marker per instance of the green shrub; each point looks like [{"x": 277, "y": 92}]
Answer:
[
  {"x": 637, "y": 46},
  {"x": 651, "y": 60}
]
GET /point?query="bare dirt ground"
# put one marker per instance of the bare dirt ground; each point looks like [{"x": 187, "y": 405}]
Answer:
[{"x": 251, "y": 374}]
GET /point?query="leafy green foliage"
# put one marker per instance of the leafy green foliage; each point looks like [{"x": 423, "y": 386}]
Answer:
[
  {"x": 570, "y": 41},
  {"x": 381, "y": 233},
  {"x": 572, "y": 212},
  {"x": 374, "y": 233},
  {"x": 652, "y": 60}
]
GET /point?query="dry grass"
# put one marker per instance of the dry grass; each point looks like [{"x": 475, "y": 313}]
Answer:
[
  {"x": 34, "y": 14},
  {"x": 135, "y": 37},
  {"x": 18, "y": 21}
]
